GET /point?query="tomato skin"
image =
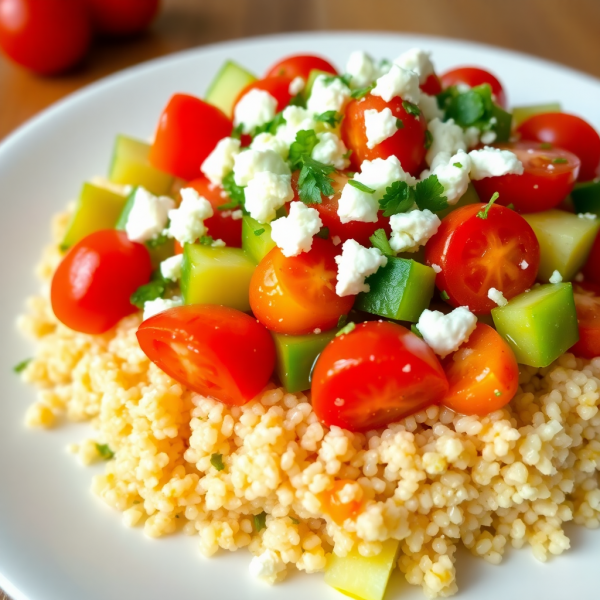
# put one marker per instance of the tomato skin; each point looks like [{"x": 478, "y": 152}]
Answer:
[
  {"x": 477, "y": 254},
  {"x": 407, "y": 144},
  {"x": 296, "y": 295},
  {"x": 122, "y": 17},
  {"x": 333, "y": 506},
  {"x": 213, "y": 350},
  {"x": 188, "y": 130},
  {"x": 587, "y": 304},
  {"x": 542, "y": 186},
  {"x": 432, "y": 85},
  {"x": 221, "y": 226},
  {"x": 591, "y": 271},
  {"x": 46, "y": 36},
  {"x": 300, "y": 65},
  {"x": 361, "y": 380},
  {"x": 569, "y": 133},
  {"x": 474, "y": 76},
  {"x": 483, "y": 374},
  {"x": 91, "y": 288},
  {"x": 278, "y": 87}
]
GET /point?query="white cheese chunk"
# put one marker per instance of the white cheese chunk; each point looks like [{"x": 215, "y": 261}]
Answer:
[
  {"x": 445, "y": 333},
  {"x": 268, "y": 141},
  {"x": 362, "y": 68},
  {"x": 267, "y": 566},
  {"x": 556, "y": 277},
  {"x": 418, "y": 61},
  {"x": 153, "y": 307},
  {"x": 429, "y": 107},
  {"x": 497, "y": 296},
  {"x": 331, "y": 150},
  {"x": 472, "y": 137},
  {"x": 220, "y": 161},
  {"x": 524, "y": 264},
  {"x": 398, "y": 82},
  {"x": 170, "y": 268},
  {"x": 354, "y": 265},
  {"x": 294, "y": 233},
  {"x": 249, "y": 163},
  {"x": 296, "y": 86},
  {"x": 436, "y": 268},
  {"x": 255, "y": 108},
  {"x": 447, "y": 137},
  {"x": 488, "y": 137},
  {"x": 296, "y": 119},
  {"x": 412, "y": 229},
  {"x": 266, "y": 193},
  {"x": 328, "y": 94},
  {"x": 379, "y": 126},
  {"x": 589, "y": 216},
  {"x": 187, "y": 221},
  {"x": 148, "y": 216},
  {"x": 453, "y": 174},
  {"x": 494, "y": 162}
]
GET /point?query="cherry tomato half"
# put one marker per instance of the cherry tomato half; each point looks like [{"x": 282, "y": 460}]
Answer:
[
  {"x": 483, "y": 374},
  {"x": 188, "y": 131},
  {"x": 587, "y": 304},
  {"x": 91, "y": 288},
  {"x": 408, "y": 143},
  {"x": 474, "y": 76},
  {"x": 278, "y": 87},
  {"x": 377, "y": 374},
  {"x": 296, "y": 295},
  {"x": 300, "y": 65},
  {"x": 591, "y": 271},
  {"x": 46, "y": 36},
  {"x": 476, "y": 254},
  {"x": 122, "y": 17},
  {"x": 569, "y": 133},
  {"x": 213, "y": 350},
  {"x": 432, "y": 85},
  {"x": 548, "y": 179}
]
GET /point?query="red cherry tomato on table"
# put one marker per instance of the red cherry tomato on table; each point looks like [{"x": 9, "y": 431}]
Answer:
[
  {"x": 477, "y": 254},
  {"x": 46, "y": 36},
  {"x": 377, "y": 374},
  {"x": 91, "y": 288},
  {"x": 296, "y": 295},
  {"x": 188, "y": 131},
  {"x": 587, "y": 304},
  {"x": 407, "y": 144},
  {"x": 483, "y": 374},
  {"x": 548, "y": 179},
  {"x": 474, "y": 76},
  {"x": 591, "y": 271},
  {"x": 213, "y": 350},
  {"x": 122, "y": 17},
  {"x": 278, "y": 87},
  {"x": 569, "y": 133},
  {"x": 300, "y": 65}
]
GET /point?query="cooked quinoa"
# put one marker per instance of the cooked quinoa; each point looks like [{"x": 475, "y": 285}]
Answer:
[{"x": 431, "y": 481}]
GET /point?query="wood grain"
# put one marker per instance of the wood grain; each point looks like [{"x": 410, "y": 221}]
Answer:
[{"x": 546, "y": 28}]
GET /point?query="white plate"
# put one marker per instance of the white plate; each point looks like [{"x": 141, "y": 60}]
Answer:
[{"x": 57, "y": 541}]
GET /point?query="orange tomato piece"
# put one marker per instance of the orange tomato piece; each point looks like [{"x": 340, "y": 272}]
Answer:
[{"x": 332, "y": 501}]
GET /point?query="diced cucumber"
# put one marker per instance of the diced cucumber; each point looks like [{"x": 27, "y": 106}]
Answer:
[
  {"x": 565, "y": 242},
  {"x": 226, "y": 86},
  {"x": 256, "y": 238},
  {"x": 469, "y": 197},
  {"x": 124, "y": 215},
  {"x": 362, "y": 577},
  {"x": 539, "y": 325},
  {"x": 401, "y": 290},
  {"x": 131, "y": 166},
  {"x": 216, "y": 276},
  {"x": 97, "y": 208},
  {"x": 503, "y": 124},
  {"x": 522, "y": 113},
  {"x": 296, "y": 355},
  {"x": 586, "y": 197}
]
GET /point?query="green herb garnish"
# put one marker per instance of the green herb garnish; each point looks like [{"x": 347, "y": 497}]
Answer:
[
  {"x": 150, "y": 291},
  {"x": 416, "y": 331},
  {"x": 260, "y": 231},
  {"x": 346, "y": 329},
  {"x": 359, "y": 93},
  {"x": 216, "y": 460},
  {"x": 428, "y": 139},
  {"x": 237, "y": 132},
  {"x": 260, "y": 521},
  {"x": 331, "y": 117},
  {"x": 497, "y": 393},
  {"x": 323, "y": 233},
  {"x": 545, "y": 146},
  {"x": 444, "y": 295},
  {"x": 560, "y": 161},
  {"x": 398, "y": 198},
  {"x": 360, "y": 186},
  {"x": 380, "y": 241},
  {"x": 457, "y": 165},
  {"x": 235, "y": 193},
  {"x": 104, "y": 451},
  {"x": 342, "y": 320},
  {"x": 483, "y": 214},
  {"x": 314, "y": 181},
  {"x": 399, "y": 124},
  {"x": 157, "y": 241},
  {"x": 271, "y": 126},
  {"x": 429, "y": 194},
  {"x": 22, "y": 365},
  {"x": 410, "y": 108}
]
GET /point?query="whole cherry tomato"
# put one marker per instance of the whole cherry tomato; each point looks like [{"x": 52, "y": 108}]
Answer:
[
  {"x": 92, "y": 286},
  {"x": 549, "y": 177},
  {"x": 569, "y": 133},
  {"x": 213, "y": 350},
  {"x": 122, "y": 17},
  {"x": 587, "y": 304},
  {"x": 477, "y": 251},
  {"x": 278, "y": 87},
  {"x": 432, "y": 85},
  {"x": 300, "y": 65},
  {"x": 377, "y": 374},
  {"x": 46, "y": 36},
  {"x": 591, "y": 271},
  {"x": 474, "y": 76}
]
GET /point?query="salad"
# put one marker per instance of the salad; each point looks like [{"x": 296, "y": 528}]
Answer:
[{"x": 345, "y": 319}]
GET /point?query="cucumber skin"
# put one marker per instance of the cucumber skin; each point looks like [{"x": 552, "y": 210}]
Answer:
[
  {"x": 256, "y": 246},
  {"x": 522, "y": 113},
  {"x": 586, "y": 197},
  {"x": 226, "y": 86}
]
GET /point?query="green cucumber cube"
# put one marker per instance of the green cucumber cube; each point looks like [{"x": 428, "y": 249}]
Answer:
[
  {"x": 124, "y": 215},
  {"x": 565, "y": 242},
  {"x": 216, "y": 276},
  {"x": 401, "y": 290},
  {"x": 296, "y": 355},
  {"x": 503, "y": 125},
  {"x": 539, "y": 325},
  {"x": 586, "y": 197},
  {"x": 256, "y": 238},
  {"x": 227, "y": 85},
  {"x": 522, "y": 113}
]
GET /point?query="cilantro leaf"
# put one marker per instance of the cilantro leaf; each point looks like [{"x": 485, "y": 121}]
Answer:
[
  {"x": 410, "y": 108},
  {"x": 399, "y": 124},
  {"x": 359, "y": 93},
  {"x": 150, "y": 291},
  {"x": 302, "y": 147},
  {"x": 104, "y": 451},
  {"x": 444, "y": 295},
  {"x": 345, "y": 79},
  {"x": 298, "y": 100},
  {"x": 360, "y": 186},
  {"x": 416, "y": 331},
  {"x": 206, "y": 240},
  {"x": 260, "y": 521},
  {"x": 271, "y": 126},
  {"x": 22, "y": 365},
  {"x": 560, "y": 161},
  {"x": 331, "y": 117},
  {"x": 497, "y": 393},
  {"x": 398, "y": 198},
  {"x": 483, "y": 214},
  {"x": 157, "y": 241},
  {"x": 323, "y": 233},
  {"x": 428, "y": 139},
  {"x": 342, "y": 320},
  {"x": 235, "y": 193},
  {"x": 314, "y": 180},
  {"x": 216, "y": 460},
  {"x": 380, "y": 241},
  {"x": 429, "y": 194},
  {"x": 457, "y": 165},
  {"x": 237, "y": 132},
  {"x": 545, "y": 146},
  {"x": 294, "y": 521},
  {"x": 260, "y": 231},
  {"x": 346, "y": 329},
  {"x": 469, "y": 107}
]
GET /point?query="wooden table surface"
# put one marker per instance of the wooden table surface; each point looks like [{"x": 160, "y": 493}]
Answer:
[{"x": 552, "y": 29}]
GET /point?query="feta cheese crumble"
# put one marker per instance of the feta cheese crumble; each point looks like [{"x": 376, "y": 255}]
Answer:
[
  {"x": 266, "y": 193},
  {"x": 524, "y": 264},
  {"x": 453, "y": 173},
  {"x": 294, "y": 233},
  {"x": 220, "y": 161},
  {"x": 153, "y": 307},
  {"x": 587, "y": 215},
  {"x": 361, "y": 67},
  {"x": 429, "y": 107},
  {"x": 447, "y": 137},
  {"x": 556, "y": 277},
  {"x": 249, "y": 163},
  {"x": 148, "y": 216},
  {"x": 436, "y": 268},
  {"x": 296, "y": 119},
  {"x": 412, "y": 229},
  {"x": 331, "y": 150},
  {"x": 494, "y": 162},
  {"x": 398, "y": 82},
  {"x": 268, "y": 141},
  {"x": 296, "y": 86},
  {"x": 355, "y": 264},
  {"x": 254, "y": 109},
  {"x": 418, "y": 61},
  {"x": 267, "y": 566},
  {"x": 497, "y": 296},
  {"x": 380, "y": 125},
  {"x": 328, "y": 93},
  {"x": 170, "y": 268},
  {"x": 187, "y": 221},
  {"x": 445, "y": 333}
]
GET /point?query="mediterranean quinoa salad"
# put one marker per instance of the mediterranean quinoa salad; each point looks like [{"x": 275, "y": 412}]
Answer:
[{"x": 347, "y": 320}]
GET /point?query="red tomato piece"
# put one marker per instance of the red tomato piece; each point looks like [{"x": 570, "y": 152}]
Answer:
[
  {"x": 46, "y": 36},
  {"x": 278, "y": 87},
  {"x": 122, "y": 17},
  {"x": 477, "y": 254},
  {"x": 91, "y": 288},
  {"x": 587, "y": 304},
  {"x": 296, "y": 295},
  {"x": 300, "y": 65},
  {"x": 569, "y": 133},
  {"x": 483, "y": 374},
  {"x": 188, "y": 131},
  {"x": 474, "y": 76},
  {"x": 221, "y": 226},
  {"x": 407, "y": 144},
  {"x": 548, "y": 179},
  {"x": 432, "y": 85},
  {"x": 377, "y": 374},
  {"x": 591, "y": 271},
  {"x": 333, "y": 505},
  {"x": 213, "y": 350}
]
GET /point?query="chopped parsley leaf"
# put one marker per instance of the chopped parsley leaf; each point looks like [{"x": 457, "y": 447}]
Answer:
[
  {"x": 150, "y": 291},
  {"x": 206, "y": 240},
  {"x": 347, "y": 154},
  {"x": 157, "y": 241},
  {"x": 216, "y": 460},
  {"x": 342, "y": 320},
  {"x": 398, "y": 198},
  {"x": 346, "y": 329},
  {"x": 271, "y": 126},
  {"x": 302, "y": 147},
  {"x": 444, "y": 295},
  {"x": 314, "y": 180},
  {"x": 22, "y": 365},
  {"x": 104, "y": 451},
  {"x": 429, "y": 194},
  {"x": 399, "y": 124},
  {"x": 545, "y": 146},
  {"x": 294, "y": 521},
  {"x": 234, "y": 191},
  {"x": 359, "y": 93},
  {"x": 331, "y": 117},
  {"x": 410, "y": 108},
  {"x": 298, "y": 100},
  {"x": 360, "y": 186},
  {"x": 416, "y": 331},
  {"x": 237, "y": 132},
  {"x": 345, "y": 79},
  {"x": 380, "y": 241},
  {"x": 260, "y": 521},
  {"x": 323, "y": 233},
  {"x": 560, "y": 161},
  {"x": 511, "y": 206},
  {"x": 260, "y": 231},
  {"x": 483, "y": 214},
  {"x": 457, "y": 165},
  {"x": 428, "y": 139},
  {"x": 497, "y": 393}
]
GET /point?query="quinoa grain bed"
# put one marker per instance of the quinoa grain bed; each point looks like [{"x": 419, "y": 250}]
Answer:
[{"x": 432, "y": 480}]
